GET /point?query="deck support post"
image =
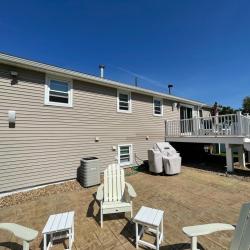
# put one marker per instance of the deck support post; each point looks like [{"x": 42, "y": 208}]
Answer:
[
  {"x": 248, "y": 156},
  {"x": 219, "y": 148},
  {"x": 229, "y": 158},
  {"x": 241, "y": 156}
]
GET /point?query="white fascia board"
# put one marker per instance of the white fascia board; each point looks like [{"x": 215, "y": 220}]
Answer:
[{"x": 50, "y": 69}]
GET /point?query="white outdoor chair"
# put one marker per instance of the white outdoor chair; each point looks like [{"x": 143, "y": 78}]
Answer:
[
  {"x": 24, "y": 233},
  {"x": 241, "y": 239},
  {"x": 115, "y": 195}
]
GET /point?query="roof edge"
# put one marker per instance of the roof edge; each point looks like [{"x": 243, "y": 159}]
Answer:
[{"x": 50, "y": 69}]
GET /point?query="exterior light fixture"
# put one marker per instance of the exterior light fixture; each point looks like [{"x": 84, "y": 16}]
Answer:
[
  {"x": 174, "y": 106},
  {"x": 14, "y": 75},
  {"x": 12, "y": 118}
]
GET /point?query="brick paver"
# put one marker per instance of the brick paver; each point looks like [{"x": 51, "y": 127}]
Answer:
[{"x": 193, "y": 197}]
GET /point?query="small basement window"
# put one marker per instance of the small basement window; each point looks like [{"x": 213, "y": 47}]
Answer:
[
  {"x": 58, "y": 92},
  {"x": 123, "y": 101},
  {"x": 125, "y": 155},
  {"x": 158, "y": 107}
]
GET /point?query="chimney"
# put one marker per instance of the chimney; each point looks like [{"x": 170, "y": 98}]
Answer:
[{"x": 101, "y": 67}]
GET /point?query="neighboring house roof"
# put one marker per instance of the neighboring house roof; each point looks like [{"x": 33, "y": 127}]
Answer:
[{"x": 50, "y": 69}]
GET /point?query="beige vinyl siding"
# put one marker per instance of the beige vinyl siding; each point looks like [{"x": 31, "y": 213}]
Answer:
[
  {"x": 48, "y": 142},
  {"x": 206, "y": 112}
]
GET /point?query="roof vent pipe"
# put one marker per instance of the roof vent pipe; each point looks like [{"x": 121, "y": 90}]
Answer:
[
  {"x": 136, "y": 81},
  {"x": 101, "y": 67},
  {"x": 170, "y": 86}
]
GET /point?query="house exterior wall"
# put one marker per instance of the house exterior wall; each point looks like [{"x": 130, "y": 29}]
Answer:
[
  {"x": 206, "y": 112},
  {"x": 48, "y": 142}
]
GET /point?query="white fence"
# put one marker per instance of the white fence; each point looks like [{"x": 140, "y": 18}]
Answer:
[{"x": 222, "y": 125}]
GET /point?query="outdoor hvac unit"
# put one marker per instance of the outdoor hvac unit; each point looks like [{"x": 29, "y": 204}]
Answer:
[{"x": 89, "y": 172}]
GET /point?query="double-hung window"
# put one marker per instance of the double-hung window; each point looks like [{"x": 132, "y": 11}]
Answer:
[
  {"x": 58, "y": 92},
  {"x": 157, "y": 107},
  {"x": 123, "y": 101},
  {"x": 125, "y": 155}
]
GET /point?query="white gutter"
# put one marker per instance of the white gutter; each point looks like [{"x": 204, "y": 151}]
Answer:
[{"x": 50, "y": 69}]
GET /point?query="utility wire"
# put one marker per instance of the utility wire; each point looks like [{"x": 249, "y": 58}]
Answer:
[{"x": 138, "y": 76}]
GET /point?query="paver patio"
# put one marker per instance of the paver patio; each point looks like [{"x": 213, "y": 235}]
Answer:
[{"x": 193, "y": 197}]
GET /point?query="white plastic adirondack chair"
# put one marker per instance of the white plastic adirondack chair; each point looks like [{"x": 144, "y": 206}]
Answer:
[
  {"x": 115, "y": 195},
  {"x": 24, "y": 233},
  {"x": 241, "y": 239}
]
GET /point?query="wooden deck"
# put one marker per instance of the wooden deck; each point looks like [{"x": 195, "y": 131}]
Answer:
[
  {"x": 193, "y": 197},
  {"x": 228, "y": 129}
]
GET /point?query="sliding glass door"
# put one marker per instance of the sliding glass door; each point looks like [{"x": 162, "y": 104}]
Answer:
[{"x": 186, "y": 115}]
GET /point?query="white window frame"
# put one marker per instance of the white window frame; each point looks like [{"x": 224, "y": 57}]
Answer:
[
  {"x": 161, "y": 101},
  {"x": 47, "y": 90},
  {"x": 129, "y": 101},
  {"x": 130, "y": 154}
]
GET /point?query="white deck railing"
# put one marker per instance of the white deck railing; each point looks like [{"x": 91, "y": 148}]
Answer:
[{"x": 222, "y": 125}]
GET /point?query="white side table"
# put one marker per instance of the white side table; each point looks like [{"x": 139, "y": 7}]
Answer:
[
  {"x": 152, "y": 219},
  {"x": 59, "y": 223}
]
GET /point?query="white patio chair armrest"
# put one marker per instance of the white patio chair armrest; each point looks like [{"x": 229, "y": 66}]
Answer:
[
  {"x": 24, "y": 233},
  {"x": 130, "y": 190},
  {"x": 198, "y": 230},
  {"x": 99, "y": 194}
]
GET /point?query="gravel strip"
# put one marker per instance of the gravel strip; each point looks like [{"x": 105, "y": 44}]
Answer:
[
  {"x": 67, "y": 186},
  {"x": 21, "y": 197}
]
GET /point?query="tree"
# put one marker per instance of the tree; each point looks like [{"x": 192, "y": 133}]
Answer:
[
  {"x": 214, "y": 110},
  {"x": 225, "y": 110},
  {"x": 246, "y": 104},
  {"x": 221, "y": 110}
]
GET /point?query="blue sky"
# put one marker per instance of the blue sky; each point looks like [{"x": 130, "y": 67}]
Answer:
[{"x": 202, "y": 47}]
